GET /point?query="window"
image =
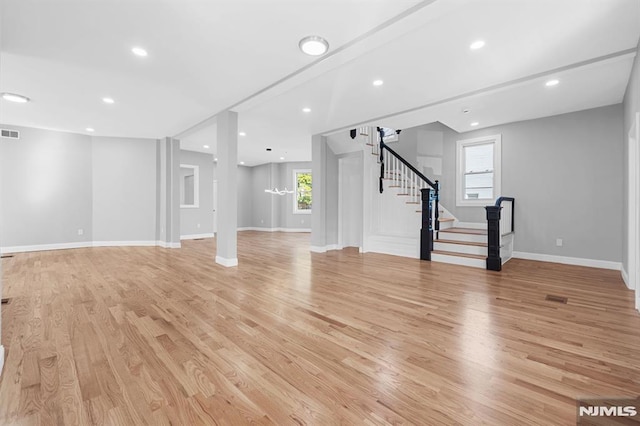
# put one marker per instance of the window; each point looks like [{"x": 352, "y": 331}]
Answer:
[
  {"x": 302, "y": 184},
  {"x": 478, "y": 170}
]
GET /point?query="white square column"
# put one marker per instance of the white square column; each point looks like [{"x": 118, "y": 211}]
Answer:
[{"x": 227, "y": 176}]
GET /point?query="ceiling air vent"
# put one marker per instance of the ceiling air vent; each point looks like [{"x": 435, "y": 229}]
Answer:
[{"x": 11, "y": 134}]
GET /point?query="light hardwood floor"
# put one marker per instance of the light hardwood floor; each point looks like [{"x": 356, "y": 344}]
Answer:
[{"x": 135, "y": 336}]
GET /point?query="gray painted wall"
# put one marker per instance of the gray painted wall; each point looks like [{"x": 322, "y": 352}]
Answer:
[
  {"x": 190, "y": 218},
  {"x": 631, "y": 107},
  {"x": 124, "y": 189},
  {"x": 245, "y": 200},
  {"x": 46, "y": 187},
  {"x": 565, "y": 172}
]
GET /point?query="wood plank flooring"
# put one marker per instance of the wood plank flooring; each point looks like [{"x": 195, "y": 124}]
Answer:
[{"x": 152, "y": 336}]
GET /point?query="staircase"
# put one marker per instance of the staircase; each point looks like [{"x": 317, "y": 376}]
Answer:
[{"x": 466, "y": 246}]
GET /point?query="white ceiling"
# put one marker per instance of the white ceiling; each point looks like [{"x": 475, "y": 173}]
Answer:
[{"x": 204, "y": 57}]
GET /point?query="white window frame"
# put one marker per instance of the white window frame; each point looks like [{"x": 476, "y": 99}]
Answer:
[
  {"x": 295, "y": 191},
  {"x": 497, "y": 169}
]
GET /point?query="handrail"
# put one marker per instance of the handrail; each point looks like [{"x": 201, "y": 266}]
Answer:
[
  {"x": 513, "y": 202},
  {"x": 430, "y": 215},
  {"x": 409, "y": 166}
]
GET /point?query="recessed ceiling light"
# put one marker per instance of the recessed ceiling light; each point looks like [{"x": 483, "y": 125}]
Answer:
[
  {"x": 553, "y": 82},
  {"x": 282, "y": 158},
  {"x": 242, "y": 134},
  {"x": 474, "y": 124},
  {"x": 478, "y": 44},
  {"x": 90, "y": 129},
  {"x": 12, "y": 97},
  {"x": 139, "y": 51},
  {"x": 242, "y": 162},
  {"x": 205, "y": 146},
  {"x": 306, "y": 109},
  {"x": 314, "y": 45},
  {"x": 108, "y": 100},
  {"x": 215, "y": 159},
  {"x": 378, "y": 82}
]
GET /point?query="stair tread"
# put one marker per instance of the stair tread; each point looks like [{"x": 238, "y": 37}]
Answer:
[
  {"x": 446, "y": 219},
  {"x": 464, "y": 243},
  {"x": 453, "y": 253},
  {"x": 470, "y": 231}
]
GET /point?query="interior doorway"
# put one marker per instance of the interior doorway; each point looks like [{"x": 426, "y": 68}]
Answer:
[{"x": 350, "y": 198}]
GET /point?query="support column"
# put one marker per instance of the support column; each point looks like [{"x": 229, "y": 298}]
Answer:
[
  {"x": 227, "y": 171},
  {"x": 319, "y": 210},
  {"x": 168, "y": 193}
]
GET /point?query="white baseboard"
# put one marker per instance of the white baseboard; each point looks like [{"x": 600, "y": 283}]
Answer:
[
  {"x": 625, "y": 278},
  {"x": 252, "y": 228},
  {"x": 86, "y": 244},
  {"x": 165, "y": 244},
  {"x": 226, "y": 262},
  {"x": 123, "y": 243},
  {"x": 46, "y": 247},
  {"x": 471, "y": 225},
  {"x": 197, "y": 236},
  {"x": 592, "y": 263},
  {"x": 324, "y": 249}
]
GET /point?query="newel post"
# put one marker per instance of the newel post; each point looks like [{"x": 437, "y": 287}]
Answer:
[
  {"x": 426, "y": 232},
  {"x": 494, "y": 262}
]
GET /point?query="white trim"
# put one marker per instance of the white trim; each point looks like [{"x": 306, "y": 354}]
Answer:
[
  {"x": 46, "y": 247},
  {"x": 124, "y": 243},
  {"x": 1, "y": 359},
  {"x": 226, "y": 262},
  {"x": 165, "y": 244},
  {"x": 591, "y": 263},
  {"x": 295, "y": 191},
  {"x": 324, "y": 249},
  {"x": 625, "y": 277},
  {"x": 197, "y": 236},
  {"x": 497, "y": 168},
  {"x": 471, "y": 225},
  {"x": 196, "y": 187},
  {"x": 252, "y": 228}
]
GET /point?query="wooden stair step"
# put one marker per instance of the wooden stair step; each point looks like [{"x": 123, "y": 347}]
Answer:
[
  {"x": 446, "y": 219},
  {"x": 462, "y": 243},
  {"x": 451, "y": 253},
  {"x": 469, "y": 231}
]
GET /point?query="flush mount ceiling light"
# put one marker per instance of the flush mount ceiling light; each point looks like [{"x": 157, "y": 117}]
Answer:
[
  {"x": 378, "y": 82},
  {"x": 282, "y": 158},
  {"x": 139, "y": 51},
  {"x": 205, "y": 146},
  {"x": 242, "y": 162},
  {"x": 108, "y": 100},
  {"x": 478, "y": 44},
  {"x": 306, "y": 109},
  {"x": 242, "y": 134},
  {"x": 13, "y": 97},
  {"x": 474, "y": 124},
  {"x": 551, "y": 83},
  {"x": 90, "y": 129},
  {"x": 314, "y": 45}
]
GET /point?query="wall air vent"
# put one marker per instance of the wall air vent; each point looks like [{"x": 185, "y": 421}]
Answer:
[{"x": 10, "y": 134}]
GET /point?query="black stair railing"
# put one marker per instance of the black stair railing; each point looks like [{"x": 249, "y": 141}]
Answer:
[
  {"x": 429, "y": 197},
  {"x": 496, "y": 229}
]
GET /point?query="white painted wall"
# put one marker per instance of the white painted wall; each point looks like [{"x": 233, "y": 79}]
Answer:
[{"x": 350, "y": 200}]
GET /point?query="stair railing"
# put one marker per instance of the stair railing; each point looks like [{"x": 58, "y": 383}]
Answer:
[
  {"x": 414, "y": 184},
  {"x": 498, "y": 225}
]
